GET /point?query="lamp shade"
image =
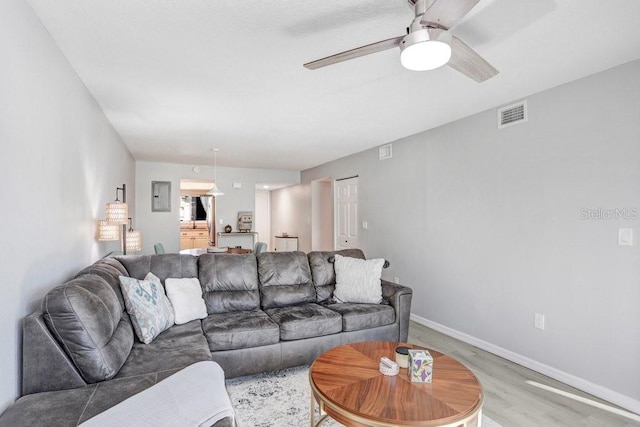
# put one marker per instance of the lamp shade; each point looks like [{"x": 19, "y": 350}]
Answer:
[
  {"x": 117, "y": 212},
  {"x": 425, "y": 49},
  {"x": 107, "y": 231},
  {"x": 134, "y": 241},
  {"x": 215, "y": 191}
]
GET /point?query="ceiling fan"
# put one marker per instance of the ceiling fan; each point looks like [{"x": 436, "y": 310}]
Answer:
[{"x": 428, "y": 43}]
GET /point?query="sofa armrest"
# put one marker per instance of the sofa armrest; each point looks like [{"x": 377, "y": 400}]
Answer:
[
  {"x": 400, "y": 298},
  {"x": 45, "y": 365}
]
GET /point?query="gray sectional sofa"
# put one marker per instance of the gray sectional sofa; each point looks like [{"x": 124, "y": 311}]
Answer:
[{"x": 265, "y": 312}]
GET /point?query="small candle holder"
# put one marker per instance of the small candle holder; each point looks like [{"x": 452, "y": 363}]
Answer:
[{"x": 402, "y": 357}]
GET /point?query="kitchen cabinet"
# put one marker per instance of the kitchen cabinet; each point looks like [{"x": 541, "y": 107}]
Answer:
[
  {"x": 191, "y": 239},
  {"x": 286, "y": 244}
]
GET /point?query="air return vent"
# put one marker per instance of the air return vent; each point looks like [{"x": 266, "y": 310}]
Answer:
[
  {"x": 384, "y": 152},
  {"x": 512, "y": 114}
]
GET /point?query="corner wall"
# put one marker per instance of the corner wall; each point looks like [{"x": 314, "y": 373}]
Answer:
[
  {"x": 61, "y": 162},
  {"x": 291, "y": 214},
  {"x": 489, "y": 227}
]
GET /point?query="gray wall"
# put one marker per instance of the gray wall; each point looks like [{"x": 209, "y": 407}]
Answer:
[
  {"x": 163, "y": 227},
  {"x": 61, "y": 162},
  {"x": 487, "y": 227}
]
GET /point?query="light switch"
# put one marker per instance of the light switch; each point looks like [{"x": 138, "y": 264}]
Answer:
[
  {"x": 365, "y": 225},
  {"x": 625, "y": 236}
]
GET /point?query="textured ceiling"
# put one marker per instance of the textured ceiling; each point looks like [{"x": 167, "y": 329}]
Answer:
[{"x": 177, "y": 78}]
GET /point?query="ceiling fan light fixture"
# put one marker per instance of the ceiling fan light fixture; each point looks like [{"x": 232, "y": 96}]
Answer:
[{"x": 425, "y": 49}]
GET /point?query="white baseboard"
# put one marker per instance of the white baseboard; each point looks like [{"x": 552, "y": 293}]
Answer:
[{"x": 621, "y": 400}]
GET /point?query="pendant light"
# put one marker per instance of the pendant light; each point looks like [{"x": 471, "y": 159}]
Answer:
[
  {"x": 133, "y": 240},
  {"x": 117, "y": 212},
  {"x": 215, "y": 191},
  {"x": 107, "y": 231}
]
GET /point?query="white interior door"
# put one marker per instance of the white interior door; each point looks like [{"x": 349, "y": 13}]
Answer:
[{"x": 347, "y": 213}]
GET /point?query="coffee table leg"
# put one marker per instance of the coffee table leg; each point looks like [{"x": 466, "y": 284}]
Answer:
[
  {"x": 313, "y": 411},
  {"x": 322, "y": 418}
]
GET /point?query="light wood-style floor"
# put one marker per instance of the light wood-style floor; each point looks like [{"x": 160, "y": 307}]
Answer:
[{"x": 509, "y": 400}]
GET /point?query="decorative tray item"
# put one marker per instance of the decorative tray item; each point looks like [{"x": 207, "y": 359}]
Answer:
[
  {"x": 217, "y": 249},
  {"x": 389, "y": 367}
]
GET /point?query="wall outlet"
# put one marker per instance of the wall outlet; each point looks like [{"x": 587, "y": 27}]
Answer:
[
  {"x": 538, "y": 321},
  {"x": 396, "y": 280},
  {"x": 221, "y": 221}
]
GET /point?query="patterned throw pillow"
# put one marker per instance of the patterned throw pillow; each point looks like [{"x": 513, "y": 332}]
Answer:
[
  {"x": 358, "y": 280},
  {"x": 148, "y": 306}
]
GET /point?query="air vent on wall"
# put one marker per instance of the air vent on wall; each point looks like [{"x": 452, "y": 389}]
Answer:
[
  {"x": 512, "y": 114},
  {"x": 384, "y": 152}
]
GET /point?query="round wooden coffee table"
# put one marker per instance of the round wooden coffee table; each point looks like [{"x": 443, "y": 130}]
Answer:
[{"x": 347, "y": 385}]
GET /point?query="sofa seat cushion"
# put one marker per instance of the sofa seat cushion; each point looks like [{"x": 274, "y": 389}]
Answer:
[
  {"x": 86, "y": 318},
  {"x": 240, "y": 329},
  {"x": 174, "y": 349},
  {"x": 363, "y": 316},
  {"x": 305, "y": 321}
]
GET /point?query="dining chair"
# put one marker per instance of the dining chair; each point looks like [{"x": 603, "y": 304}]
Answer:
[{"x": 259, "y": 248}]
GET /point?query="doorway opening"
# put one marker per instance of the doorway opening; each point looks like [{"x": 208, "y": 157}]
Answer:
[{"x": 197, "y": 214}]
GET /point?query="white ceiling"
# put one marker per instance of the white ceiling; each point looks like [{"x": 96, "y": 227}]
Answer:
[{"x": 177, "y": 78}]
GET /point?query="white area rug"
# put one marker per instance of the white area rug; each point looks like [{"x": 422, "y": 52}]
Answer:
[{"x": 280, "y": 399}]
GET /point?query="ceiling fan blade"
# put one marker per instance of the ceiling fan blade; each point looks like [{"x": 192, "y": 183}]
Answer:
[
  {"x": 466, "y": 61},
  {"x": 355, "y": 53},
  {"x": 447, "y": 13}
]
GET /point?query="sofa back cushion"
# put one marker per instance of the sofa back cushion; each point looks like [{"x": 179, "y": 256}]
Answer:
[
  {"x": 87, "y": 319},
  {"x": 285, "y": 279},
  {"x": 323, "y": 271},
  {"x": 229, "y": 282},
  {"x": 110, "y": 270},
  {"x": 176, "y": 266}
]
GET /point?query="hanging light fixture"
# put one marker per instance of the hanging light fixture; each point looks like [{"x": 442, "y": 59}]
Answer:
[
  {"x": 215, "y": 191},
  {"x": 133, "y": 239},
  {"x": 114, "y": 226},
  {"x": 117, "y": 212},
  {"x": 107, "y": 231}
]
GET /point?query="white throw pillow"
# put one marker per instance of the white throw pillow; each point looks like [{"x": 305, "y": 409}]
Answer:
[
  {"x": 186, "y": 297},
  {"x": 148, "y": 307},
  {"x": 358, "y": 280}
]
